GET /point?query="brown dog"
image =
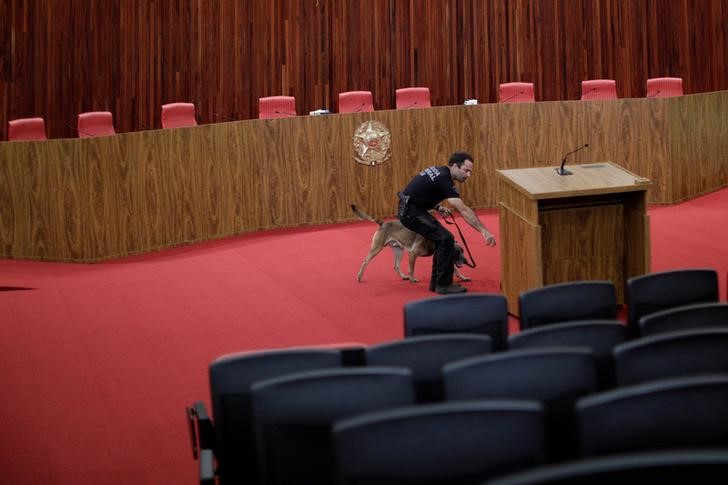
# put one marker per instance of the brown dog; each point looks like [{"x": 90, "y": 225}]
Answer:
[{"x": 399, "y": 238}]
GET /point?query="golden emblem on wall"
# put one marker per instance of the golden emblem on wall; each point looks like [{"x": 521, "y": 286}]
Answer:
[{"x": 371, "y": 143}]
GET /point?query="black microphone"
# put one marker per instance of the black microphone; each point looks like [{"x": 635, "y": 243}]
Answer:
[
  {"x": 218, "y": 115},
  {"x": 511, "y": 97},
  {"x": 561, "y": 170},
  {"x": 654, "y": 94},
  {"x": 361, "y": 107},
  {"x": 285, "y": 113},
  {"x": 409, "y": 105}
]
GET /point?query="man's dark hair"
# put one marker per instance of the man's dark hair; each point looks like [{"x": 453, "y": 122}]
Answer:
[{"x": 458, "y": 158}]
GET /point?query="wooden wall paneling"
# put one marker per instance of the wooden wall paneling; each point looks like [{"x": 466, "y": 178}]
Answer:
[
  {"x": 246, "y": 159},
  {"x": 639, "y": 143},
  {"x": 6, "y": 40},
  {"x": 239, "y": 168},
  {"x": 11, "y": 204},
  {"x": 375, "y": 187},
  {"x": 704, "y": 116},
  {"x": 100, "y": 157},
  {"x": 615, "y": 127},
  {"x": 471, "y": 46},
  {"x": 190, "y": 162},
  {"x": 148, "y": 204},
  {"x": 520, "y": 242},
  {"x": 668, "y": 34},
  {"x": 17, "y": 185},
  {"x": 35, "y": 225},
  {"x": 550, "y": 69},
  {"x": 57, "y": 210},
  {"x": 575, "y": 239},
  {"x": 637, "y": 254},
  {"x": 324, "y": 172},
  {"x": 227, "y": 154},
  {"x": 79, "y": 199},
  {"x": 304, "y": 171},
  {"x": 131, "y": 57},
  {"x": 135, "y": 194},
  {"x": 697, "y": 42}
]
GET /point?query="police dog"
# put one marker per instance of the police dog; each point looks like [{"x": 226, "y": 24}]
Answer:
[{"x": 399, "y": 238}]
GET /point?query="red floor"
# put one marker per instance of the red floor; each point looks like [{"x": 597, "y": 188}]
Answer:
[{"x": 98, "y": 361}]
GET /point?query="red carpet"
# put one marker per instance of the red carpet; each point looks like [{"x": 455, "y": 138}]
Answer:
[{"x": 98, "y": 361}]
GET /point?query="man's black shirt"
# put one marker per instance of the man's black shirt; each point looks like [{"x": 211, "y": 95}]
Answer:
[{"x": 429, "y": 187}]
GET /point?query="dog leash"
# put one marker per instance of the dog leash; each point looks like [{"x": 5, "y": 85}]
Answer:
[{"x": 462, "y": 238}]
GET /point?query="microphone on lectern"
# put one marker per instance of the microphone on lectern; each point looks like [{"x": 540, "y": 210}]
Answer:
[
  {"x": 561, "y": 170},
  {"x": 654, "y": 94},
  {"x": 288, "y": 113}
]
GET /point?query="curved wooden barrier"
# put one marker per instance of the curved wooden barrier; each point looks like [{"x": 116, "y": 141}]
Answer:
[{"x": 92, "y": 199}]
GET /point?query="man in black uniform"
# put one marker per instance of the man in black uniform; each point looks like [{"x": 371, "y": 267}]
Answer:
[{"x": 426, "y": 190}]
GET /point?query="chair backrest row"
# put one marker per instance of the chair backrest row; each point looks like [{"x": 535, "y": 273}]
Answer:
[
  {"x": 177, "y": 115},
  {"x": 93, "y": 123},
  {"x": 236, "y": 378},
  {"x": 454, "y": 366},
  {"x": 662, "y": 87},
  {"x": 513, "y": 92},
  {"x": 704, "y": 466},
  {"x": 459, "y": 442},
  {"x": 487, "y": 314},
  {"x": 496, "y": 424},
  {"x": 274, "y": 413},
  {"x": 99, "y": 123},
  {"x": 349, "y": 102}
]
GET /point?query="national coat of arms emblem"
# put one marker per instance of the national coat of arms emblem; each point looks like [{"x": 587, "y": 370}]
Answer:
[{"x": 371, "y": 143}]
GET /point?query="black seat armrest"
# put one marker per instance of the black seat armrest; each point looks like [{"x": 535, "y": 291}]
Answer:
[
  {"x": 201, "y": 428},
  {"x": 207, "y": 467}
]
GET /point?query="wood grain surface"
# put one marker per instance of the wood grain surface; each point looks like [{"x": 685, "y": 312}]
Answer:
[
  {"x": 61, "y": 58},
  {"x": 92, "y": 199},
  {"x": 592, "y": 225}
]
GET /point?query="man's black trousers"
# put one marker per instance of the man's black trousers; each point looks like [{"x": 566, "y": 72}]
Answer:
[{"x": 444, "y": 258}]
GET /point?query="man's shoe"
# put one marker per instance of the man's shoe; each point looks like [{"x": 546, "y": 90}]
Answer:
[
  {"x": 433, "y": 286},
  {"x": 450, "y": 289}
]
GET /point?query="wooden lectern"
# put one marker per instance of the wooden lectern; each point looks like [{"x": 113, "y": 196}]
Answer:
[{"x": 591, "y": 225}]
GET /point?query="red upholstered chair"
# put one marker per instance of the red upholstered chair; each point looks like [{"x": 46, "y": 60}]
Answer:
[
  {"x": 25, "y": 129},
  {"x": 413, "y": 98},
  {"x": 355, "y": 102},
  {"x": 516, "y": 93},
  {"x": 95, "y": 123},
  {"x": 599, "y": 89},
  {"x": 276, "y": 107},
  {"x": 664, "y": 87},
  {"x": 178, "y": 115}
]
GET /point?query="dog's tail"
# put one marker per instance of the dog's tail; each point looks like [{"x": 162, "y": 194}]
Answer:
[{"x": 363, "y": 215}]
